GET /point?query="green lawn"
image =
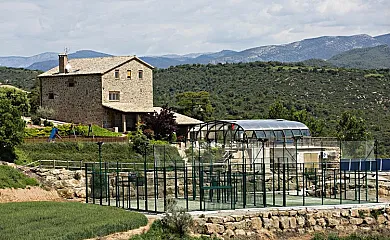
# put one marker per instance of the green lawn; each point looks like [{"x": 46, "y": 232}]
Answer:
[
  {"x": 12, "y": 178},
  {"x": 64, "y": 220}
]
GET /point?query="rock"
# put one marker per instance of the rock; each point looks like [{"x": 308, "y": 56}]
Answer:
[
  {"x": 300, "y": 221},
  {"x": 369, "y": 220},
  {"x": 81, "y": 193},
  {"x": 318, "y": 228},
  {"x": 228, "y": 234},
  {"x": 293, "y": 213},
  {"x": 333, "y": 222},
  {"x": 268, "y": 223},
  {"x": 311, "y": 221},
  {"x": 354, "y": 213},
  {"x": 321, "y": 222},
  {"x": 228, "y": 219},
  {"x": 239, "y": 225},
  {"x": 275, "y": 222},
  {"x": 356, "y": 221},
  {"x": 345, "y": 213},
  {"x": 257, "y": 223},
  {"x": 293, "y": 222},
  {"x": 238, "y": 217},
  {"x": 239, "y": 232},
  {"x": 230, "y": 225},
  {"x": 284, "y": 223},
  {"x": 381, "y": 219},
  {"x": 66, "y": 193},
  {"x": 214, "y": 228},
  {"x": 215, "y": 220}
]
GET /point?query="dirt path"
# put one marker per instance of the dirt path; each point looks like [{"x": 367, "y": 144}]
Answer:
[
  {"x": 128, "y": 234},
  {"x": 28, "y": 195}
]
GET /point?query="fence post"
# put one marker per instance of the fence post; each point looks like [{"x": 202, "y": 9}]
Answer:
[
  {"x": 86, "y": 183},
  {"x": 376, "y": 170}
]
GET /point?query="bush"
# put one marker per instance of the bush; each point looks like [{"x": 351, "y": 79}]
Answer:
[
  {"x": 36, "y": 120},
  {"x": 175, "y": 220},
  {"x": 47, "y": 123}
]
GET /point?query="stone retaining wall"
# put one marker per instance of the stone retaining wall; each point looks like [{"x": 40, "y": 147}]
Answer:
[{"x": 269, "y": 222}]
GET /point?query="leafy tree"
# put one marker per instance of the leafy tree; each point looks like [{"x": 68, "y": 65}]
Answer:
[
  {"x": 278, "y": 111},
  {"x": 351, "y": 128},
  {"x": 195, "y": 104},
  {"x": 34, "y": 99},
  {"x": 316, "y": 126},
  {"x": 11, "y": 129},
  {"x": 163, "y": 124},
  {"x": 17, "y": 97}
]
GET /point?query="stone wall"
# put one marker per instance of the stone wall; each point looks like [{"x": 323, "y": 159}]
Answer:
[
  {"x": 272, "y": 222},
  {"x": 77, "y": 103},
  {"x": 135, "y": 92}
]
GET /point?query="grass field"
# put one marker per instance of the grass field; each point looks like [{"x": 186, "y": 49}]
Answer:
[
  {"x": 12, "y": 178},
  {"x": 63, "y": 220}
]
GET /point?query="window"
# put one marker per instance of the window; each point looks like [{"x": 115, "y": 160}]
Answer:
[
  {"x": 116, "y": 74},
  {"x": 113, "y": 96},
  {"x": 51, "y": 95},
  {"x": 140, "y": 74},
  {"x": 71, "y": 83},
  {"x": 129, "y": 74}
]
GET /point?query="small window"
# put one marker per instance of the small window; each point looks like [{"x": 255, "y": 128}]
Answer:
[
  {"x": 129, "y": 74},
  {"x": 113, "y": 96},
  {"x": 71, "y": 83},
  {"x": 51, "y": 95},
  {"x": 116, "y": 74},
  {"x": 140, "y": 74}
]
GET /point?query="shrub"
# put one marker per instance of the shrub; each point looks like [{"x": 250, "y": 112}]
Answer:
[
  {"x": 175, "y": 220},
  {"x": 36, "y": 120},
  {"x": 47, "y": 123}
]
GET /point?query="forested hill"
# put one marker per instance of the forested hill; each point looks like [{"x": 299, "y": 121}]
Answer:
[
  {"x": 246, "y": 90},
  {"x": 19, "y": 77}
]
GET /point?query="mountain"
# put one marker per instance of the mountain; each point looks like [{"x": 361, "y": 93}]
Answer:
[
  {"x": 363, "y": 58},
  {"x": 385, "y": 39},
  {"x": 314, "y": 48},
  {"x": 23, "y": 62},
  {"x": 49, "y": 64}
]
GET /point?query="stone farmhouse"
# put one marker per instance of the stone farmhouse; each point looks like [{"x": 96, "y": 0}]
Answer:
[{"x": 112, "y": 92}]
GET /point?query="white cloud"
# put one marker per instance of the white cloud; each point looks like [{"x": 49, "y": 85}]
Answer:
[{"x": 152, "y": 27}]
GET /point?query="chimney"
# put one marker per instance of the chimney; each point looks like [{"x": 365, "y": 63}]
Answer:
[{"x": 62, "y": 61}]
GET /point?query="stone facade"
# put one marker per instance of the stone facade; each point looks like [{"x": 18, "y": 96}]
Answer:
[
  {"x": 268, "y": 223},
  {"x": 80, "y": 103},
  {"x": 133, "y": 91},
  {"x": 83, "y": 98}
]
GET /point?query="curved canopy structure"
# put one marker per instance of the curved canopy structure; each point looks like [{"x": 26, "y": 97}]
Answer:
[{"x": 271, "y": 129}]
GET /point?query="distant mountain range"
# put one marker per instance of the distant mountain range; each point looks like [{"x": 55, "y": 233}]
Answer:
[{"x": 324, "y": 48}]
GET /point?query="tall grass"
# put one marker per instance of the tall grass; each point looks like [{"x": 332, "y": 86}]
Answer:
[{"x": 64, "y": 220}]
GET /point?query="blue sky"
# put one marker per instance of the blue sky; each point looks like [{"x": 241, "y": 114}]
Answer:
[{"x": 156, "y": 27}]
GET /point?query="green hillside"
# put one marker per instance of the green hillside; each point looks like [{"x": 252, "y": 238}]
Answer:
[
  {"x": 18, "y": 77},
  {"x": 12, "y": 178},
  {"x": 363, "y": 58},
  {"x": 246, "y": 90}
]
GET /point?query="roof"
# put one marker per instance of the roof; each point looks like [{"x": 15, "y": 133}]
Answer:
[
  {"x": 128, "y": 107},
  {"x": 267, "y": 124},
  {"x": 258, "y": 128},
  {"x": 132, "y": 108},
  {"x": 182, "y": 119},
  {"x": 99, "y": 65}
]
